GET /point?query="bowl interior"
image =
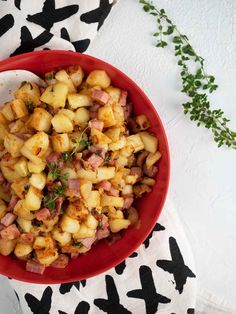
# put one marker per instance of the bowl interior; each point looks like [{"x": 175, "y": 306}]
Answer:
[{"x": 102, "y": 256}]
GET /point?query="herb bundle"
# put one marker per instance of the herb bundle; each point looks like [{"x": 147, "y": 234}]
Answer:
[{"x": 197, "y": 85}]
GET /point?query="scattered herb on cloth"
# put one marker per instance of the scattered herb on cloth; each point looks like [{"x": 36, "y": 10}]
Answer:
[{"x": 196, "y": 83}]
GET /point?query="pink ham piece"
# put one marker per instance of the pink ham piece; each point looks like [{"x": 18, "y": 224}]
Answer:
[
  {"x": 10, "y": 233},
  {"x": 100, "y": 96},
  {"x": 12, "y": 204},
  {"x": 21, "y": 136},
  {"x": 128, "y": 202},
  {"x": 2, "y": 179},
  {"x": 42, "y": 214},
  {"x": 27, "y": 238},
  {"x": 136, "y": 171},
  {"x": 74, "y": 184},
  {"x": 55, "y": 158},
  {"x": 96, "y": 124},
  {"x": 57, "y": 209},
  {"x": 105, "y": 185},
  {"x": 74, "y": 255},
  {"x": 102, "y": 233},
  {"x": 123, "y": 97},
  {"x": 1, "y": 227},
  {"x": 141, "y": 158},
  {"x": 77, "y": 164},
  {"x": 95, "y": 161},
  {"x": 113, "y": 192},
  {"x": 87, "y": 241},
  {"x": 150, "y": 172},
  {"x": 98, "y": 151},
  {"x": 6, "y": 186},
  {"x": 8, "y": 219},
  {"x": 93, "y": 114},
  {"x": 61, "y": 262},
  {"x": 35, "y": 267}
]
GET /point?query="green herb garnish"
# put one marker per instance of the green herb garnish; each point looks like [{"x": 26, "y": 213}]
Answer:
[
  {"x": 86, "y": 143},
  {"x": 30, "y": 107},
  {"x": 66, "y": 156},
  {"x": 196, "y": 84},
  {"x": 98, "y": 152},
  {"x": 54, "y": 172},
  {"x": 49, "y": 199},
  {"x": 107, "y": 157},
  {"x": 79, "y": 244}
]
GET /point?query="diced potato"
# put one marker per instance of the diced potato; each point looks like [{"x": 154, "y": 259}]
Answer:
[
  {"x": 20, "y": 187},
  {"x": 76, "y": 74},
  {"x": 69, "y": 113},
  {"x": 91, "y": 222},
  {"x": 61, "y": 123},
  {"x": 122, "y": 161},
  {"x": 47, "y": 256},
  {"x": 29, "y": 93},
  {"x": 94, "y": 200},
  {"x": 105, "y": 173},
  {"x": 41, "y": 242},
  {"x": 55, "y": 95},
  {"x": 99, "y": 137},
  {"x": 41, "y": 120},
  {"x": 118, "y": 114},
  {"x": 142, "y": 122},
  {"x": 38, "y": 180},
  {"x": 36, "y": 144},
  {"x": 34, "y": 159},
  {"x": 70, "y": 174},
  {"x": 48, "y": 224},
  {"x": 152, "y": 159},
  {"x": 87, "y": 175},
  {"x": 118, "y": 145},
  {"x": 22, "y": 249},
  {"x": 85, "y": 188},
  {"x": 60, "y": 142},
  {"x": 148, "y": 181},
  {"x": 23, "y": 212},
  {"x": 113, "y": 133},
  {"x": 21, "y": 166},
  {"x": 3, "y": 120},
  {"x": 133, "y": 216},
  {"x": 115, "y": 201},
  {"x": 62, "y": 237},
  {"x": 135, "y": 142},
  {"x": 115, "y": 214},
  {"x": 79, "y": 100},
  {"x": 84, "y": 232},
  {"x": 7, "y": 111},
  {"x": 82, "y": 116},
  {"x": 3, "y": 131},
  {"x": 9, "y": 173},
  {"x": 19, "y": 108},
  {"x": 75, "y": 140},
  {"x": 36, "y": 168},
  {"x": 114, "y": 93},
  {"x": 77, "y": 210},
  {"x": 3, "y": 209},
  {"x": 106, "y": 115},
  {"x": 7, "y": 246},
  {"x": 13, "y": 144},
  {"x": 150, "y": 141},
  {"x": 118, "y": 224},
  {"x": 17, "y": 127},
  {"x": 98, "y": 78},
  {"x": 69, "y": 224},
  {"x": 62, "y": 77},
  {"x": 33, "y": 199},
  {"x": 130, "y": 179},
  {"x": 4, "y": 196},
  {"x": 127, "y": 189},
  {"x": 26, "y": 225},
  {"x": 49, "y": 78}
]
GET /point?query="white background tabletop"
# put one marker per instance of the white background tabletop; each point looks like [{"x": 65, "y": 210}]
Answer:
[{"x": 202, "y": 184}]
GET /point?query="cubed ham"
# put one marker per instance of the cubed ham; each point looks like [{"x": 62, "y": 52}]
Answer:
[
  {"x": 8, "y": 219},
  {"x": 57, "y": 210},
  {"x": 150, "y": 172},
  {"x": 21, "y": 136},
  {"x": 27, "y": 238},
  {"x": 2, "y": 179},
  {"x": 35, "y": 267},
  {"x": 113, "y": 192},
  {"x": 74, "y": 184},
  {"x": 100, "y": 96},
  {"x": 137, "y": 171},
  {"x": 1, "y": 227},
  {"x": 74, "y": 255},
  {"x": 52, "y": 110},
  {"x": 95, "y": 161},
  {"x": 55, "y": 158},
  {"x": 77, "y": 164},
  {"x": 96, "y": 124},
  {"x": 93, "y": 114},
  {"x": 123, "y": 98},
  {"x": 98, "y": 151},
  {"x": 12, "y": 204},
  {"x": 87, "y": 241},
  {"x": 141, "y": 158},
  {"x": 94, "y": 107},
  {"x": 105, "y": 185},
  {"x": 6, "y": 187},
  {"x": 61, "y": 262},
  {"x": 10, "y": 233},
  {"x": 127, "y": 111},
  {"x": 42, "y": 214},
  {"x": 128, "y": 202},
  {"x": 102, "y": 233}
]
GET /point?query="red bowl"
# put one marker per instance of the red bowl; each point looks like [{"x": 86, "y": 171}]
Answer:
[{"x": 102, "y": 256}]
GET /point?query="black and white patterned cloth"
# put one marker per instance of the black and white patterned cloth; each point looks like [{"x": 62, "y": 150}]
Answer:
[{"x": 160, "y": 276}]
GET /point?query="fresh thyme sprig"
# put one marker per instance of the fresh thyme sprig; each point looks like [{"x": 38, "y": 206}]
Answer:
[
  {"x": 196, "y": 83},
  {"x": 49, "y": 200},
  {"x": 54, "y": 172}
]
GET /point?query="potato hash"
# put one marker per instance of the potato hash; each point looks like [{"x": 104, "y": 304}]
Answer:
[{"x": 72, "y": 160}]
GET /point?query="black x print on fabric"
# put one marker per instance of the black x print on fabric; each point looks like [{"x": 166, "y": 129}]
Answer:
[
  {"x": 80, "y": 45},
  {"x": 17, "y": 4},
  {"x": 148, "y": 292},
  {"x": 121, "y": 267},
  {"x": 28, "y": 43},
  {"x": 42, "y": 306},
  {"x": 112, "y": 304},
  {"x": 82, "y": 308},
  {"x": 190, "y": 311},
  {"x": 98, "y": 15},
  {"x": 6, "y": 23},
  {"x": 158, "y": 227},
  {"x": 51, "y": 15},
  {"x": 66, "y": 287},
  {"x": 176, "y": 266}
]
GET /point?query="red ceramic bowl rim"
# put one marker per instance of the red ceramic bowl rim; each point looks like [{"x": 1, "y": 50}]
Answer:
[{"x": 165, "y": 141}]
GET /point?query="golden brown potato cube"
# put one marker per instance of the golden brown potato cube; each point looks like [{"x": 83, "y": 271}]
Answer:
[
  {"x": 34, "y": 159},
  {"x": 25, "y": 225},
  {"x": 46, "y": 256},
  {"x": 152, "y": 159},
  {"x": 91, "y": 222},
  {"x": 114, "y": 93},
  {"x": 82, "y": 116},
  {"x": 29, "y": 92},
  {"x": 7, "y": 246},
  {"x": 62, "y": 237},
  {"x": 41, "y": 120},
  {"x": 62, "y": 77},
  {"x": 55, "y": 95},
  {"x": 7, "y": 112},
  {"x": 118, "y": 224},
  {"x": 118, "y": 114},
  {"x": 19, "y": 108},
  {"x": 148, "y": 181},
  {"x": 113, "y": 133},
  {"x": 42, "y": 242},
  {"x": 38, "y": 180},
  {"x": 13, "y": 144},
  {"x": 150, "y": 141},
  {"x": 69, "y": 113},
  {"x": 22, "y": 249},
  {"x": 21, "y": 166},
  {"x": 60, "y": 142},
  {"x": 36, "y": 168},
  {"x": 99, "y": 138},
  {"x": 94, "y": 200},
  {"x": 76, "y": 74},
  {"x": 135, "y": 142},
  {"x": 118, "y": 145},
  {"x": 87, "y": 175},
  {"x": 62, "y": 124},
  {"x": 17, "y": 127},
  {"x": 69, "y": 224},
  {"x": 20, "y": 187},
  {"x": 3, "y": 209},
  {"x": 85, "y": 188},
  {"x": 142, "y": 122},
  {"x": 3, "y": 120},
  {"x": 106, "y": 115},
  {"x": 98, "y": 78},
  {"x": 49, "y": 78},
  {"x": 3, "y": 132},
  {"x": 21, "y": 211},
  {"x": 79, "y": 100},
  {"x": 116, "y": 201},
  {"x": 105, "y": 173},
  {"x": 33, "y": 199},
  {"x": 83, "y": 233},
  {"x": 37, "y": 144}
]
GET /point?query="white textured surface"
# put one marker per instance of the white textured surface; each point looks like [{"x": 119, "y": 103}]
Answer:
[{"x": 203, "y": 177}]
